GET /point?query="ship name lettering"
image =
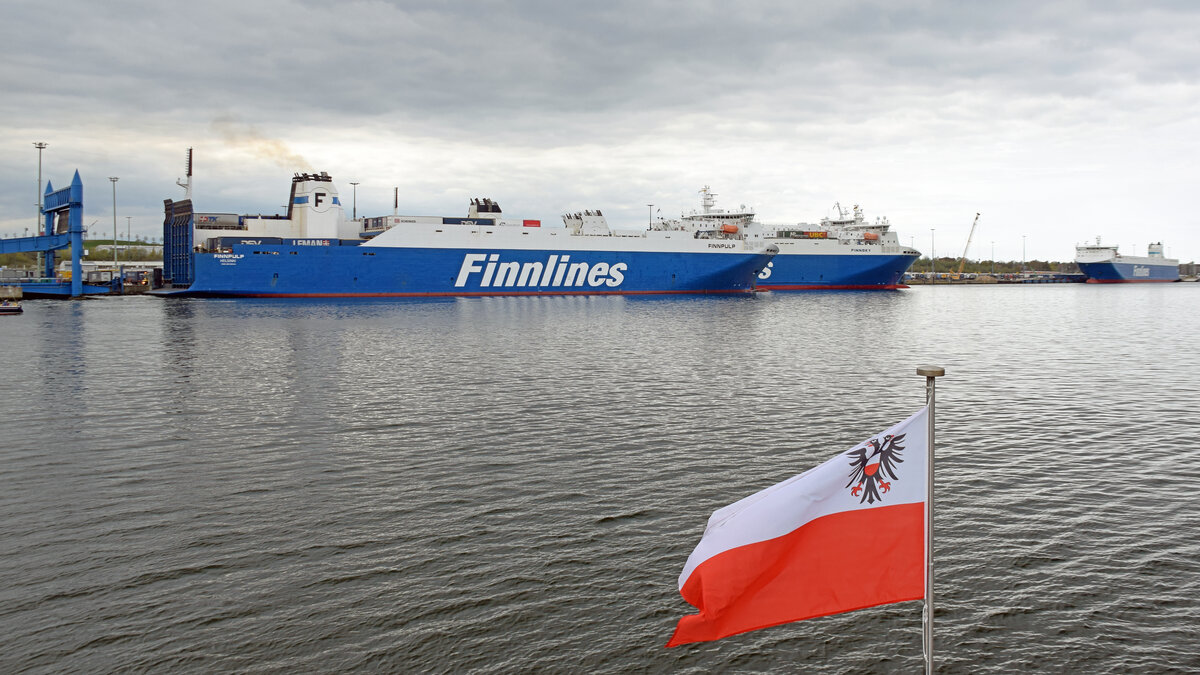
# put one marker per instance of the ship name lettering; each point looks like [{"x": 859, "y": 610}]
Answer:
[{"x": 556, "y": 272}]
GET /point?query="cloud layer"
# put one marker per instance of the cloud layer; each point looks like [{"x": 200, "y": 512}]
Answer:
[{"x": 1058, "y": 121}]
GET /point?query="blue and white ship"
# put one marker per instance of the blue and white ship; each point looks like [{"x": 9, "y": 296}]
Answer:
[
  {"x": 315, "y": 251},
  {"x": 1103, "y": 264},
  {"x": 842, "y": 253}
]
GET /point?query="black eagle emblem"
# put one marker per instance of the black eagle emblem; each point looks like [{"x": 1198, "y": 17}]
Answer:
[{"x": 871, "y": 464}]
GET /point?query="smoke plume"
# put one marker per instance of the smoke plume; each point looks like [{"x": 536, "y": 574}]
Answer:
[{"x": 246, "y": 137}]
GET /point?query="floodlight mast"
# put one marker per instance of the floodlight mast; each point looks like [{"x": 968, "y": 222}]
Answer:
[{"x": 187, "y": 187}]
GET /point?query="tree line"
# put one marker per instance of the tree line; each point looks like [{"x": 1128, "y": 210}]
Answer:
[
  {"x": 125, "y": 253},
  {"x": 947, "y": 265}
]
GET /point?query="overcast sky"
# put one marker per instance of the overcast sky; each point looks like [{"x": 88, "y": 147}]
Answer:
[{"x": 1058, "y": 121}]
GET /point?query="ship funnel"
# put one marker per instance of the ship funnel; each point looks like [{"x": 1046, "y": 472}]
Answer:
[{"x": 316, "y": 211}]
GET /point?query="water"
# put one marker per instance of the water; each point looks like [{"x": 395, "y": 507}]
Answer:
[{"x": 513, "y": 485}]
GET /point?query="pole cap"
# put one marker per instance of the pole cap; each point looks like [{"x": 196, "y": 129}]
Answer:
[{"x": 931, "y": 371}]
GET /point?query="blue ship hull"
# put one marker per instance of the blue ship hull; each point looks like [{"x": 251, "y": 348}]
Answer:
[
  {"x": 378, "y": 271},
  {"x": 797, "y": 272},
  {"x": 1120, "y": 273}
]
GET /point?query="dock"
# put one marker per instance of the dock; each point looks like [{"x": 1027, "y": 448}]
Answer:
[{"x": 928, "y": 279}]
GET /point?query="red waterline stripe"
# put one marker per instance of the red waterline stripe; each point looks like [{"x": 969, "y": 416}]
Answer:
[
  {"x": 833, "y": 287},
  {"x": 457, "y": 295},
  {"x": 1131, "y": 281}
]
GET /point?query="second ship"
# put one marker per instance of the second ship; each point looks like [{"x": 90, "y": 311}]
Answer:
[
  {"x": 841, "y": 253},
  {"x": 315, "y": 251},
  {"x": 1103, "y": 264}
]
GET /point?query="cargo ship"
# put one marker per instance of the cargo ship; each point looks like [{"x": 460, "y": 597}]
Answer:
[
  {"x": 842, "y": 253},
  {"x": 315, "y": 251},
  {"x": 1103, "y": 264}
]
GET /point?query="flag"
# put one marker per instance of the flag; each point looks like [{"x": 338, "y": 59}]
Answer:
[{"x": 845, "y": 535}]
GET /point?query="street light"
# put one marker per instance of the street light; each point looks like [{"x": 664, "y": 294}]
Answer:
[
  {"x": 37, "y": 224},
  {"x": 1022, "y": 253},
  {"x": 932, "y": 259},
  {"x": 128, "y": 236},
  {"x": 354, "y": 215},
  {"x": 114, "y": 180},
  {"x": 40, "y": 146},
  {"x": 993, "y": 258}
]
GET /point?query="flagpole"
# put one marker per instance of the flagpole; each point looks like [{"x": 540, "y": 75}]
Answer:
[{"x": 931, "y": 373}]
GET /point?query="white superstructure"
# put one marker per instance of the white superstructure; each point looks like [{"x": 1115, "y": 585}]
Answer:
[
  {"x": 850, "y": 232},
  {"x": 1101, "y": 253},
  {"x": 486, "y": 226},
  {"x": 314, "y": 212},
  {"x": 845, "y": 233}
]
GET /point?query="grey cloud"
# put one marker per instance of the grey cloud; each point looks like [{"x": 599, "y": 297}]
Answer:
[
  {"x": 506, "y": 69},
  {"x": 985, "y": 89}
]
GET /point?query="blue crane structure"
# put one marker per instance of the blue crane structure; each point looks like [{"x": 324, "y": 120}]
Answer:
[{"x": 61, "y": 227}]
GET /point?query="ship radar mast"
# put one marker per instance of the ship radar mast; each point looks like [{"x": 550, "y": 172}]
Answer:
[
  {"x": 187, "y": 187},
  {"x": 707, "y": 199}
]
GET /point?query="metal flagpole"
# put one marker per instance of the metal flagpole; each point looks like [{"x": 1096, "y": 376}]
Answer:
[{"x": 931, "y": 373}]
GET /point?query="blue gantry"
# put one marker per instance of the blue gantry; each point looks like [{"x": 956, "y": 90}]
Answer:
[{"x": 62, "y": 226}]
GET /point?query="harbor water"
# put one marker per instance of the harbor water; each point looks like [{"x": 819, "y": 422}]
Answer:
[{"x": 514, "y": 484}]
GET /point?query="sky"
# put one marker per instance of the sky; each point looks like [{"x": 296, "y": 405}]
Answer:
[{"x": 1056, "y": 121}]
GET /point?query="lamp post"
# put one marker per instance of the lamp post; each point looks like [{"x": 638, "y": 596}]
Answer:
[
  {"x": 650, "y": 222},
  {"x": 37, "y": 229},
  {"x": 40, "y": 146},
  {"x": 354, "y": 215},
  {"x": 114, "y": 180},
  {"x": 128, "y": 233},
  {"x": 1022, "y": 253},
  {"x": 932, "y": 259},
  {"x": 993, "y": 258}
]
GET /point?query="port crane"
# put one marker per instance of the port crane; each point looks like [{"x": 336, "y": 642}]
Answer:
[{"x": 963, "y": 261}]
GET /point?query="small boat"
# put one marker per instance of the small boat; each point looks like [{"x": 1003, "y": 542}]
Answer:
[{"x": 10, "y": 307}]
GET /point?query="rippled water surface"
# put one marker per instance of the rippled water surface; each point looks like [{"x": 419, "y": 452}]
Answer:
[{"x": 513, "y": 485}]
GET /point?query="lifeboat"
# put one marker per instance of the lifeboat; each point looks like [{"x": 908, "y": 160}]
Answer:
[
  {"x": 871, "y": 236},
  {"x": 729, "y": 228}
]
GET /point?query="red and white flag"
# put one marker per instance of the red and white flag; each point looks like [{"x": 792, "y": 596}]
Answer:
[{"x": 845, "y": 535}]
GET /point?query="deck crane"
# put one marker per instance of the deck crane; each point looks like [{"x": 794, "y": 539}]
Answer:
[{"x": 963, "y": 261}]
